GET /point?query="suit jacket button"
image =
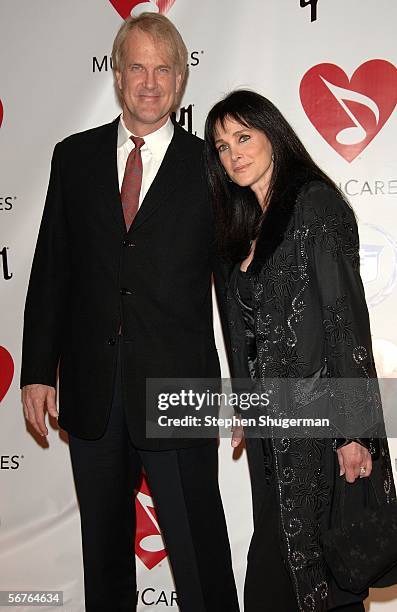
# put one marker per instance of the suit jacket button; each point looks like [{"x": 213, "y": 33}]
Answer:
[
  {"x": 126, "y": 243},
  {"x": 125, "y": 291},
  {"x": 112, "y": 341}
]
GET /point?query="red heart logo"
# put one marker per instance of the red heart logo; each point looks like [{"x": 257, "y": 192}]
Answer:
[
  {"x": 349, "y": 113},
  {"x": 1, "y": 113},
  {"x": 6, "y": 371},
  {"x": 149, "y": 544},
  {"x": 125, "y": 7}
]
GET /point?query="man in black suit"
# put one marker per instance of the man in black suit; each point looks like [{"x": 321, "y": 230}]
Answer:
[{"x": 120, "y": 291}]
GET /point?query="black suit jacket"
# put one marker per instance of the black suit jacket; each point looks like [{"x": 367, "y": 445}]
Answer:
[{"x": 89, "y": 276}]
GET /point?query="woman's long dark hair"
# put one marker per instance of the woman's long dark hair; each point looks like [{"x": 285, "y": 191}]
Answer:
[{"x": 238, "y": 215}]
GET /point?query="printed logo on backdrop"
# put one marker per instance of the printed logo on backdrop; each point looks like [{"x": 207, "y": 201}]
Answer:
[
  {"x": 349, "y": 112},
  {"x": 7, "y": 203},
  {"x": 152, "y": 596},
  {"x": 4, "y": 263},
  {"x": 105, "y": 63},
  {"x": 127, "y": 8},
  {"x": 354, "y": 187},
  {"x": 7, "y": 462},
  {"x": 378, "y": 257},
  {"x": 149, "y": 544},
  {"x": 313, "y": 8},
  {"x": 6, "y": 371},
  {"x": 10, "y": 462},
  {"x": 185, "y": 118}
]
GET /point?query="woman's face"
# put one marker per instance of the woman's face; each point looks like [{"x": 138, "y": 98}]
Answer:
[{"x": 245, "y": 153}]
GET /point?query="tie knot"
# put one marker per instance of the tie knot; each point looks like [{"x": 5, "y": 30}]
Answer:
[{"x": 138, "y": 142}]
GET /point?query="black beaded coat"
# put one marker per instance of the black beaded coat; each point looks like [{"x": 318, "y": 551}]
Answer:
[{"x": 310, "y": 320}]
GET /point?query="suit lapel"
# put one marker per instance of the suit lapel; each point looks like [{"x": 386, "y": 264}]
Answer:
[
  {"x": 106, "y": 174},
  {"x": 167, "y": 179},
  {"x": 165, "y": 182}
]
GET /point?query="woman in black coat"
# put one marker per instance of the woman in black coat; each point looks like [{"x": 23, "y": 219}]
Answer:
[{"x": 295, "y": 311}]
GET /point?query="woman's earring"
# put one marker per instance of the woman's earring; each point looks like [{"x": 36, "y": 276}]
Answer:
[{"x": 272, "y": 157}]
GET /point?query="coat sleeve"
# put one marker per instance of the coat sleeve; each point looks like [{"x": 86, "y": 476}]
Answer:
[
  {"x": 333, "y": 262},
  {"x": 46, "y": 301}
]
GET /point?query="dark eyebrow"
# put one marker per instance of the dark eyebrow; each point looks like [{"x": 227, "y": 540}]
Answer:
[{"x": 234, "y": 134}]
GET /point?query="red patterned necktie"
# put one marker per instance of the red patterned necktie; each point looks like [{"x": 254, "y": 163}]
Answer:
[{"x": 132, "y": 181}]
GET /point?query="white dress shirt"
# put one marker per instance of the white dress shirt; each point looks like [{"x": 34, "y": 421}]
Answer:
[{"x": 153, "y": 151}]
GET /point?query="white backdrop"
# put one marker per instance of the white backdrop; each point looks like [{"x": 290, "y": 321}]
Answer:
[{"x": 55, "y": 79}]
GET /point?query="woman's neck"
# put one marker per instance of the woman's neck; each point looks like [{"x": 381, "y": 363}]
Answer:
[{"x": 261, "y": 190}]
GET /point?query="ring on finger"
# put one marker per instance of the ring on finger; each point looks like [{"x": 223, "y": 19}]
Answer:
[{"x": 363, "y": 469}]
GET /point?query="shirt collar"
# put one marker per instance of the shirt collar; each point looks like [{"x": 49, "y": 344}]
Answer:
[{"x": 156, "y": 142}]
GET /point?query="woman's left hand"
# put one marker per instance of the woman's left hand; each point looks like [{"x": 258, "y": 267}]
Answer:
[
  {"x": 237, "y": 435},
  {"x": 354, "y": 461}
]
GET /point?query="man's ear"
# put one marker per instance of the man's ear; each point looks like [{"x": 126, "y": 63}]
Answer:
[
  {"x": 118, "y": 79},
  {"x": 178, "y": 82}
]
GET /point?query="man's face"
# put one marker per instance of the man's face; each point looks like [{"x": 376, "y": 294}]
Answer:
[{"x": 149, "y": 83}]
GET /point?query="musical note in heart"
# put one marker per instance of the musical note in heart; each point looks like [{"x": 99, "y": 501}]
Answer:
[
  {"x": 356, "y": 133},
  {"x": 349, "y": 113}
]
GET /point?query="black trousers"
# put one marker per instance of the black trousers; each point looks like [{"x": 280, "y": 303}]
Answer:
[
  {"x": 184, "y": 485},
  {"x": 268, "y": 584}
]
